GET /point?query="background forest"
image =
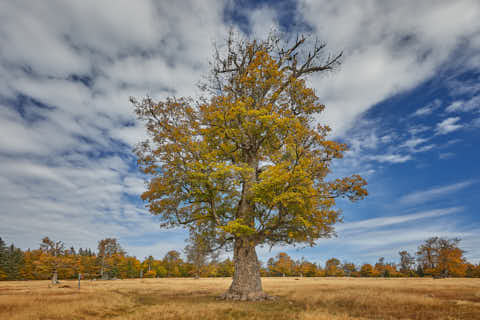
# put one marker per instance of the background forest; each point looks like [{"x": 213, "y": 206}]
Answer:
[{"x": 436, "y": 257}]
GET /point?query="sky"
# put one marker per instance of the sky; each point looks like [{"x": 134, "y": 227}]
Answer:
[{"x": 406, "y": 100}]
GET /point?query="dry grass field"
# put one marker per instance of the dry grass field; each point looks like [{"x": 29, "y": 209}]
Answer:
[{"x": 307, "y": 298}]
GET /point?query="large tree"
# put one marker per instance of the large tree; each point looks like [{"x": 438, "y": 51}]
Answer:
[
  {"x": 246, "y": 165},
  {"x": 198, "y": 253},
  {"x": 333, "y": 267},
  {"x": 282, "y": 265},
  {"x": 107, "y": 248},
  {"x": 54, "y": 256},
  {"x": 3, "y": 259},
  {"x": 407, "y": 261},
  {"x": 441, "y": 257}
]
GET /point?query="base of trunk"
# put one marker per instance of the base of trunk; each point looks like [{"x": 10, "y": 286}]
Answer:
[
  {"x": 253, "y": 296},
  {"x": 246, "y": 284},
  {"x": 55, "y": 278}
]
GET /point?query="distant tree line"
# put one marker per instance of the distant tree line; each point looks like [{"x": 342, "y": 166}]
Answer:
[{"x": 436, "y": 257}]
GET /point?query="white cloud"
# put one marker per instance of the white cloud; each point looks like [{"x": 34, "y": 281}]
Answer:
[
  {"x": 263, "y": 21},
  {"x": 464, "y": 106},
  {"x": 413, "y": 142},
  {"x": 418, "y": 129},
  {"x": 465, "y": 86},
  {"x": 398, "y": 239},
  {"x": 454, "y": 106},
  {"x": 448, "y": 125},
  {"x": 416, "y": 145},
  {"x": 431, "y": 194},
  {"x": 391, "y": 158},
  {"x": 171, "y": 241},
  {"x": 428, "y": 109},
  {"x": 387, "y": 221},
  {"x": 134, "y": 186},
  {"x": 425, "y": 148},
  {"x": 372, "y": 141},
  {"x": 400, "y": 45}
]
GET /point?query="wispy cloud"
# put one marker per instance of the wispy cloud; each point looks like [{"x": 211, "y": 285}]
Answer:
[
  {"x": 448, "y": 125},
  {"x": 430, "y": 194},
  {"x": 471, "y": 104},
  {"x": 413, "y": 142},
  {"x": 414, "y": 130},
  {"x": 367, "y": 244},
  {"x": 388, "y": 221},
  {"x": 428, "y": 109},
  {"x": 446, "y": 155},
  {"x": 391, "y": 158}
]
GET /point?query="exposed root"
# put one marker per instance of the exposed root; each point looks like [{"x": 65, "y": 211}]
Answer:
[{"x": 253, "y": 296}]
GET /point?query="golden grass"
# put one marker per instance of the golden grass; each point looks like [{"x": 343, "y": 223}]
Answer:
[{"x": 306, "y": 298}]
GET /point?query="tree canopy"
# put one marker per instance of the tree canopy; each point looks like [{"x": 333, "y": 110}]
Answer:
[{"x": 250, "y": 160}]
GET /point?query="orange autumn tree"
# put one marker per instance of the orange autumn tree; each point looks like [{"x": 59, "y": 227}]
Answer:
[
  {"x": 52, "y": 258},
  {"x": 283, "y": 265},
  {"x": 247, "y": 164},
  {"x": 442, "y": 257}
]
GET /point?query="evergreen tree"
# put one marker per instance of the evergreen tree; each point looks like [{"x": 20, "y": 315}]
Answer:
[
  {"x": 3, "y": 259},
  {"x": 13, "y": 263}
]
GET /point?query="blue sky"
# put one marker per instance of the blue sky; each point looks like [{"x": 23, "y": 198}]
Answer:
[{"x": 406, "y": 100}]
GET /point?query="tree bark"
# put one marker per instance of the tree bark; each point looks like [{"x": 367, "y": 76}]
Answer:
[
  {"x": 102, "y": 267},
  {"x": 246, "y": 284},
  {"x": 55, "y": 277}
]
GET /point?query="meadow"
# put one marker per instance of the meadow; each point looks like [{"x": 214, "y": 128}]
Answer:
[{"x": 298, "y": 298}]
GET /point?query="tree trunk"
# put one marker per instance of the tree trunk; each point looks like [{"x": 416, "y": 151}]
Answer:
[
  {"x": 102, "y": 267},
  {"x": 246, "y": 284},
  {"x": 55, "y": 277}
]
